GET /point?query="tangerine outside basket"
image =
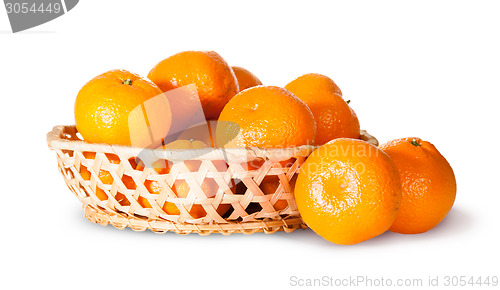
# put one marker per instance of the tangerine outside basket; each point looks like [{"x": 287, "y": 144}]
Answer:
[{"x": 249, "y": 209}]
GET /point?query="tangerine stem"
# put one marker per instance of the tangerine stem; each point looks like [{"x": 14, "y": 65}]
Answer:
[
  {"x": 414, "y": 142},
  {"x": 127, "y": 82}
]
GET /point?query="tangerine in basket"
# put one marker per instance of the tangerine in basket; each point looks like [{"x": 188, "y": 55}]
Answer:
[
  {"x": 203, "y": 132},
  {"x": 429, "y": 185},
  {"x": 215, "y": 81},
  {"x": 348, "y": 191},
  {"x": 181, "y": 187},
  {"x": 245, "y": 78},
  {"x": 265, "y": 116},
  {"x": 107, "y": 178},
  {"x": 334, "y": 118},
  {"x": 117, "y": 107},
  {"x": 270, "y": 184}
]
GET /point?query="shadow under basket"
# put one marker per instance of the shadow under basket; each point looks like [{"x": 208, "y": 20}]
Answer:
[{"x": 209, "y": 190}]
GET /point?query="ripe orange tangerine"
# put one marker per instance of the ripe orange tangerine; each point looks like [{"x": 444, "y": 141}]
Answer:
[{"x": 348, "y": 191}]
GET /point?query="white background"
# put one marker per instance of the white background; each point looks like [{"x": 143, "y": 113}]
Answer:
[{"x": 411, "y": 68}]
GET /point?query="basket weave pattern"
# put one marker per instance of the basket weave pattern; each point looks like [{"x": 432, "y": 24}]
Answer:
[{"x": 250, "y": 209}]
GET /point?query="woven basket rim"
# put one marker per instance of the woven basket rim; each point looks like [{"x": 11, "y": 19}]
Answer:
[{"x": 56, "y": 139}]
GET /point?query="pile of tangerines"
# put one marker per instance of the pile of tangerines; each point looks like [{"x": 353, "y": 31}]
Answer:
[{"x": 347, "y": 191}]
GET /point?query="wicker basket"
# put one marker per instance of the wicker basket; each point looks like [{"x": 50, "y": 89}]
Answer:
[{"x": 249, "y": 209}]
